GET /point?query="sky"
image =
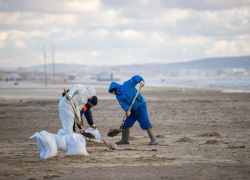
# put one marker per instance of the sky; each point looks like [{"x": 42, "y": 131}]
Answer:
[{"x": 121, "y": 32}]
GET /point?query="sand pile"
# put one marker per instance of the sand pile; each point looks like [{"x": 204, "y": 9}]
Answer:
[{"x": 90, "y": 143}]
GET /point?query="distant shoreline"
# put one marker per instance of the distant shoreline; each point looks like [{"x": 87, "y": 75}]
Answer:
[{"x": 38, "y": 90}]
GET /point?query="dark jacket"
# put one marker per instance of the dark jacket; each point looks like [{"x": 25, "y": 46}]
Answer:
[{"x": 88, "y": 115}]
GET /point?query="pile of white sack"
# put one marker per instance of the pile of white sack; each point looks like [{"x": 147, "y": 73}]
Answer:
[{"x": 75, "y": 144}]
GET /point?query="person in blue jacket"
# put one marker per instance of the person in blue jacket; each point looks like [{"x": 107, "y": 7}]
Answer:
[{"x": 125, "y": 94}]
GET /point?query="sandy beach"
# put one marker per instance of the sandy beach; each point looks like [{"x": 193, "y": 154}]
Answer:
[{"x": 202, "y": 135}]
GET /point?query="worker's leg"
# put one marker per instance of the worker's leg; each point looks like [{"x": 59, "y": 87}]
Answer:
[
  {"x": 145, "y": 123},
  {"x": 126, "y": 128},
  {"x": 130, "y": 121},
  {"x": 142, "y": 116},
  {"x": 125, "y": 135},
  {"x": 66, "y": 116}
]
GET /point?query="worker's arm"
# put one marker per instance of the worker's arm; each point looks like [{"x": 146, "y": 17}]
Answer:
[
  {"x": 123, "y": 104},
  {"x": 89, "y": 117},
  {"x": 76, "y": 88},
  {"x": 133, "y": 81}
]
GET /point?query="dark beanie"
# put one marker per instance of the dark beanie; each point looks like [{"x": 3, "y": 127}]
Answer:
[{"x": 94, "y": 100}]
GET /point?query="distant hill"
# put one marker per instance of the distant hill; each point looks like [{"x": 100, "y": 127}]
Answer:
[
  {"x": 6, "y": 69},
  {"x": 209, "y": 63},
  {"x": 215, "y": 63}
]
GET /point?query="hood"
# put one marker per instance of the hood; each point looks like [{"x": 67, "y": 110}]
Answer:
[
  {"x": 113, "y": 85},
  {"x": 91, "y": 91}
]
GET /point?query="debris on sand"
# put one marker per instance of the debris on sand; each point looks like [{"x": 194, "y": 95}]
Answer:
[
  {"x": 155, "y": 158},
  {"x": 90, "y": 143},
  {"x": 213, "y": 134},
  {"x": 133, "y": 138},
  {"x": 159, "y": 136},
  {"x": 49, "y": 176},
  {"x": 236, "y": 147},
  {"x": 185, "y": 139},
  {"x": 214, "y": 141}
]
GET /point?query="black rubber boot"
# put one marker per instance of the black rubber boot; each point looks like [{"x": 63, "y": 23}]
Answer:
[
  {"x": 125, "y": 135},
  {"x": 152, "y": 136}
]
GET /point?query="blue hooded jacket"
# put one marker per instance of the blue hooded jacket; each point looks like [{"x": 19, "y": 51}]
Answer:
[{"x": 126, "y": 93}]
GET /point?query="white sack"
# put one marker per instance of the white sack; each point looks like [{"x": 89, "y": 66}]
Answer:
[
  {"x": 60, "y": 132},
  {"x": 95, "y": 132},
  {"x": 60, "y": 142},
  {"x": 76, "y": 145},
  {"x": 46, "y": 144}
]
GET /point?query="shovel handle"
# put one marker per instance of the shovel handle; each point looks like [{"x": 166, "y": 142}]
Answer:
[
  {"x": 125, "y": 117},
  {"x": 73, "y": 107}
]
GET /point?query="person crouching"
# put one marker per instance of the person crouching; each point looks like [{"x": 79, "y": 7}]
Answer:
[
  {"x": 87, "y": 113},
  {"x": 79, "y": 95}
]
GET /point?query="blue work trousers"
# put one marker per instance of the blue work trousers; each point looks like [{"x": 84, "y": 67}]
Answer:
[{"x": 141, "y": 115}]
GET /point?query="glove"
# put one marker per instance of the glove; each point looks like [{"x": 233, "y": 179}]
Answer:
[
  {"x": 79, "y": 126},
  {"x": 79, "y": 123},
  {"x": 142, "y": 83},
  {"x": 68, "y": 98},
  {"x": 127, "y": 113},
  {"x": 93, "y": 126}
]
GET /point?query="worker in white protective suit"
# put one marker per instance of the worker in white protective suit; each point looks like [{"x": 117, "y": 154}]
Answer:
[{"x": 79, "y": 96}]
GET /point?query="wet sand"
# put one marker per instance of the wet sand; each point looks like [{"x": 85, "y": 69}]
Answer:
[{"x": 202, "y": 135}]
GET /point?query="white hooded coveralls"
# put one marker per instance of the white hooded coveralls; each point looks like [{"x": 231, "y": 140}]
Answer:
[{"x": 79, "y": 96}]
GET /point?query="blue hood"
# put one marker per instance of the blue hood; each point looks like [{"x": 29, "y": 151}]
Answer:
[{"x": 114, "y": 85}]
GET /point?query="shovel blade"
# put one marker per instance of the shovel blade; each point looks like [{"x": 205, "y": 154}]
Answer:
[
  {"x": 88, "y": 135},
  {"x": 114, "y": 132}
]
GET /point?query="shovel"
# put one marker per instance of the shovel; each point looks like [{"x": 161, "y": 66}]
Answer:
[
  {"x": 114, "y": 132},
  {"x": 88, "y": 135}
]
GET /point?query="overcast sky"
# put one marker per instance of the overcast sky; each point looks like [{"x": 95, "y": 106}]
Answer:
[{"x": 118, "y": 32}]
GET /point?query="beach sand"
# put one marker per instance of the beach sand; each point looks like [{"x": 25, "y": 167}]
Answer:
[{"x": 201, "y": 134}]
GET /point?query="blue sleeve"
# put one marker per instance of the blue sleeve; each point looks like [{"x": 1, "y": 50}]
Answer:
[
  {"x": 88, "y": 116},
  {"x": 123, "y": 104},
  {"x": 133, "y": 81}
]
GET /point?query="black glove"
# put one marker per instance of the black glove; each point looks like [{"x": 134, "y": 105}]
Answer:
[{"x": 63, "y": 94}]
